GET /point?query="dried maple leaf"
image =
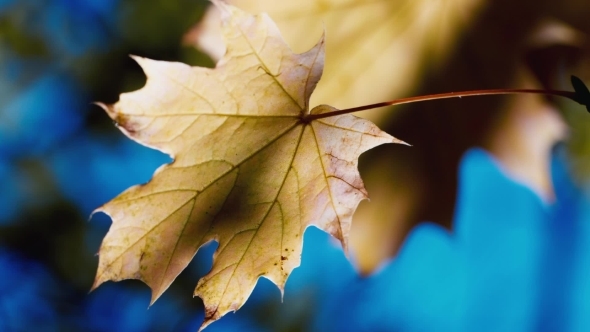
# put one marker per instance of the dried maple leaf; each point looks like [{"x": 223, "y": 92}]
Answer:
[{"x": 253, "y": 167}]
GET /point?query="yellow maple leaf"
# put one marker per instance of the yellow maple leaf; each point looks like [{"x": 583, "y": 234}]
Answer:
[{"x": 253, "y": 167}]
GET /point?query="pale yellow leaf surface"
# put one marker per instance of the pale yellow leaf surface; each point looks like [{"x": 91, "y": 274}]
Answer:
[
  {"x": 251, "y": 170},
  {"x": 377, "y": 48}
]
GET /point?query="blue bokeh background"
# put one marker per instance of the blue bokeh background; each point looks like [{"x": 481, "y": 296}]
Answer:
[{"x": 512, "y": 263}]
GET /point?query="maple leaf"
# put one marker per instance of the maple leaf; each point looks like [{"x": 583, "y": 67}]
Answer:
[{"x": 253, "y": 167}]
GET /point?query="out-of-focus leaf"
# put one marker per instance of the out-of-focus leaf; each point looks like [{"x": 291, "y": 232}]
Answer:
[
  {"x": 376, "y": 50},
  {"x": 524, "y": 137}
]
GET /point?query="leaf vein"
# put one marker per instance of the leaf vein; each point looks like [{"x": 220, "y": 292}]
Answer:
[{"x": 264, "y": 218}]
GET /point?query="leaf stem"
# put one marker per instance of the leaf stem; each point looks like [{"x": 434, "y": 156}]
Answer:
[{"x": 567, "y": 94}]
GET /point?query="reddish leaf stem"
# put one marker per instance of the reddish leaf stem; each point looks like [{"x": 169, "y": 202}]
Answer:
[{"x": 566, "y": 94}]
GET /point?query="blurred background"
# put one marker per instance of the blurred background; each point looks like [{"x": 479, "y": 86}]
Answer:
[{"x": 483, "y": 224}]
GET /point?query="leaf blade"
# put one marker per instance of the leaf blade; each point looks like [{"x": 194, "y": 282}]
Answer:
[{"x": 249, "y": 171}]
